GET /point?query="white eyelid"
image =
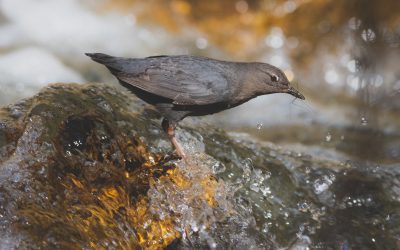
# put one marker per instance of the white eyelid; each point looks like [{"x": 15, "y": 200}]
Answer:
[{"x": 275, "y": 78}]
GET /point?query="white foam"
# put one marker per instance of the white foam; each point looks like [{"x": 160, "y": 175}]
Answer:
[
  {"x": 71, "y": 27},
  {"x": 26, "y": 70}
]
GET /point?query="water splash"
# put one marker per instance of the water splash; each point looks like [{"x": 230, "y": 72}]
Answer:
[
  {"x": 245, "y": 195},
  {"x": 364, "y": 121},
  {"x": 368, "y": 35},
  {"x": 328, "y": 137},
  {"x": 193, "y": 195}
]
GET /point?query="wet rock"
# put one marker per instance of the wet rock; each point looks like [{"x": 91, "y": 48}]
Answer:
[{"x": 87, "y": 166}]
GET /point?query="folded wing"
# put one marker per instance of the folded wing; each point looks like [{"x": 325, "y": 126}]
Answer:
[{"x": 185, "y": 80}]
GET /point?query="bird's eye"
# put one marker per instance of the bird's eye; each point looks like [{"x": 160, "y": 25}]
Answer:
[{"x": 274, "y": 78}]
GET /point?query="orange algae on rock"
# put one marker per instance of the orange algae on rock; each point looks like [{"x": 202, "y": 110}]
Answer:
[{"x": 93, "y": 176}]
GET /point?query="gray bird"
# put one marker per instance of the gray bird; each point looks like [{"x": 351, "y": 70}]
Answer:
[{"x": 180, "y": 86}]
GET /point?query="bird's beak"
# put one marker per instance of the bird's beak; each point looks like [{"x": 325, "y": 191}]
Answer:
[{"x": 294, "y": 92}]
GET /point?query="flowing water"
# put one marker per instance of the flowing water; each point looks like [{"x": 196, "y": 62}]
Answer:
[
  {"x": 88, "y": 167},
  {"x": 98, "y": 173}
]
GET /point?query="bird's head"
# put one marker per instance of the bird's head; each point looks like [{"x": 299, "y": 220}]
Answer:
[{"x": 270, "y": 80}]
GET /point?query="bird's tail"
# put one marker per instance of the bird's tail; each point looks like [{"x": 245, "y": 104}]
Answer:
[
  {"x": 114, "y": 64},
  {"x": 99, "y": 57}
]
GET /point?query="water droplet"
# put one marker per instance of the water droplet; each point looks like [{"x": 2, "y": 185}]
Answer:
[
  {"x": 248, "y": 164},
  {"x": 368, "y": 35},
  {"x": 265, "y": 228},
  {"x": 213, "y": 245},
  {"x": 331, "y": 76},
  {"x": 301, "y": 228},
  {"x": 352, "y": 66},
  {"x": 201, "y": 43},
  {"x": 354, "y": 23},
  {"x": 265, "y": 190},
  {"x": 259, "y": 126},
  {"x": 151, "y": 159},
  {"x": 275, "y": 39},
  {"x": 267, "y": 214},
  {"x": 254, "y": 187},
  {"x": 353, "y": 82},
  {"x": 328, "y": 137},
  {"x": 104, "y": 105},
  {"x": 364, "y": 121},
  {"x": 303, "y": 206},
  {"x": 242, "y": 6},
  {"x": 322, "y": 184},
  {"x": 289, "y": 6},
  {"x": 218, "y": 168}
]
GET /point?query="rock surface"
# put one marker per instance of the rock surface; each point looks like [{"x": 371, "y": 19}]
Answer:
[{"x": 88, "y": 167}]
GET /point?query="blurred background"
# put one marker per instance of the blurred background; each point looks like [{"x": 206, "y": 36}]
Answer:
[
  {"x": 328, "y": 175},
  {"x": 342, "y": 54}
]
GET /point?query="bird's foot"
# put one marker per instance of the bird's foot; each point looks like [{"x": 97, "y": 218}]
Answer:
[
  {"x": 178, "y": 147},
  {"x": 169, "y": 129}
]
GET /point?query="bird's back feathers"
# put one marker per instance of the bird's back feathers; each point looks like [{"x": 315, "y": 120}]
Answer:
[{"x": 185, "y": 80}]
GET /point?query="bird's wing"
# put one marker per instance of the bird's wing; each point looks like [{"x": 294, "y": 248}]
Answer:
[{"x": 186, "y": 81}]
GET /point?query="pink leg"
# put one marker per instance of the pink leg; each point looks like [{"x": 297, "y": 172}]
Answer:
[
  {"x": 177, "y": 145},
  {"x": 170, "y": 130}
]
